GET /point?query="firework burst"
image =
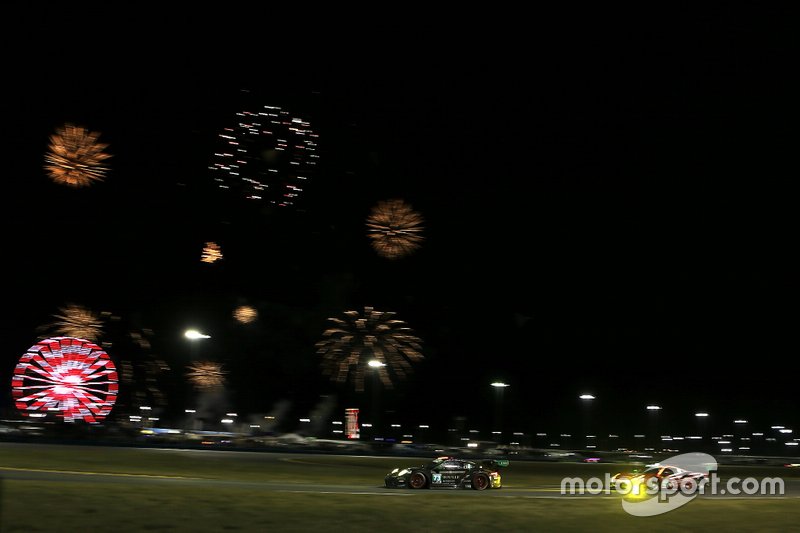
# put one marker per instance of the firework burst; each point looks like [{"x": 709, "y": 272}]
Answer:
[
  {"x": 75, "y": 157},
  {"x": 352, "y": 342},
  {"x": 211, "y": 253},
  {"x": 206, "y": 375},
  {"x": 394, "y": 229},
  {"x": 245, "y": 314},
  {"x": 78, "y": 321},
  {"x": 267, "y": 154}
]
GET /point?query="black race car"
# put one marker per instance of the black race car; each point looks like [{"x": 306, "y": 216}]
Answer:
[{"x": 449, "y": 472}]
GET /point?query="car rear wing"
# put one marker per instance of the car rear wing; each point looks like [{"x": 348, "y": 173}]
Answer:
[{"x": 495, "y": 463}]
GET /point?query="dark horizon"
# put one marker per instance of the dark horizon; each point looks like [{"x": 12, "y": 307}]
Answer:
[{"x": 594, "y": 222}]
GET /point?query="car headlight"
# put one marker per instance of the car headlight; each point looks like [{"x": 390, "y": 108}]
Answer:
[
  {"x": 404, "y": 471},
  {"x": 395, "y": 470}
]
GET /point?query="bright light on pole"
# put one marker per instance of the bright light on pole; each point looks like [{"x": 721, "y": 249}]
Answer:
[
  {"x": 376, "y": 390},
  {"x": 586, "y": 412},
  {"x": 193, "y": 334},
  {"x": 499, "y": 392},
  {"x": 701, "y": 415},
  {"x": 653, "y": 419}
]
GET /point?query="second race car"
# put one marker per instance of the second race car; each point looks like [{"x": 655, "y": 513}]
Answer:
[{"x": 666, "y": 475}]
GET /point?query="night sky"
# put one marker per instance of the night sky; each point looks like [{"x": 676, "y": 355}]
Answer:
[{"x": 606, "y": 211}]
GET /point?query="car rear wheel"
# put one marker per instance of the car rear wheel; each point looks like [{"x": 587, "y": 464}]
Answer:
[
  {"x": 417, "y": 480},
  {"x": 480, "y": 482},
  {"x": 692, "y": 484}
]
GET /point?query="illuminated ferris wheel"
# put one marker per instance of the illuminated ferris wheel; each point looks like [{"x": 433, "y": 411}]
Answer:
[{"x": 69, "y": 377}]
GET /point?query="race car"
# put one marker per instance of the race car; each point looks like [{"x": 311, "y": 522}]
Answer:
[
  {"x": 449, "y": 472},
  {"x": 667, "y": 475}
]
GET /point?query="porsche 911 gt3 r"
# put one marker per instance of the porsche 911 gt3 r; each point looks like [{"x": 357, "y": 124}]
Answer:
[
  {"x": 449, "y": 472},
  {"x": 667, "y": 475}
]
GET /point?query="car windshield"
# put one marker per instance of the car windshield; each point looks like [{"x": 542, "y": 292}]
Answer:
[{"x": 435, "y": 463}]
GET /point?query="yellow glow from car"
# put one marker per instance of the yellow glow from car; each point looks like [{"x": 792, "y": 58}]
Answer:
[{"x": 638, "y": 489}]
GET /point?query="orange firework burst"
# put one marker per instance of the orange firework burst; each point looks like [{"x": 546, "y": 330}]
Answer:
[
  {"x": 211, "y": 253},
  {"x": 78, "y": 321},
  {"x": 374, "y": 341},
  {"x": 394, "y": 228},
  {"x": 245, "y": 314},
  {"x": 206, "y": 375},
  {"x": 75, "y": 157}
]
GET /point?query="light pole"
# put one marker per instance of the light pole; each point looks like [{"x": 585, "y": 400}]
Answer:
[
  {"x": 193, "y": 335},
  {"x": 499, "y": 388},
  {"x": 702, "y": 424},
  {"x": 376, "y": 365},
  {"x": 740, "y": 434},
  {"x": 198, "y": 418},
  {"x": 587, "y": 400},
  {"x": 652, "y": 412}
]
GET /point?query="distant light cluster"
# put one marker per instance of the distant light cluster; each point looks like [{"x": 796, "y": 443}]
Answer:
[
  {"x": 75, "y": 157},
  {"x": 267, "y": 155},
  {"x": 206, "y": 375},
  {"x": 372, "y": 342},
  {"x": 211, "y": 253},
  {"x": 78, "y": 321},
  {"x": 245, "y": 314},
  {"x": 394, "y": 229}
]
